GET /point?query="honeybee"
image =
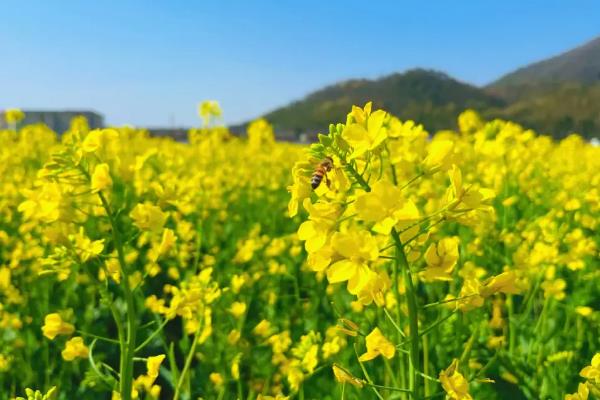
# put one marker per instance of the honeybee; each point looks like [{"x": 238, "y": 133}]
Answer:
[{"x": 320, "y": 171}]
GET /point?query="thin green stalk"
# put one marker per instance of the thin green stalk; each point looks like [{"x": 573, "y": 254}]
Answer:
[
  {"x": 93, "y": 364},
  {"x": 484, "y": 368},
  {"x": 126, "y": 363},
  {"x": 412, "y": 180},
  {"x": 240, "y": 390},
  {"x": 528, "y": 303},
  {"x": 188, "y": 361},
  {"x": 366, "y": 374},
  {"x": 152, "y": 336},
  {"x": 512, "y": 327},
  {"x": 127, "y": 347},
  {"x": 388, "y": 369},
  {"x": 82, "y": 333},
  {"x": 400, "y": 334},
  {"x": 466, "y": 354},
  {"x": 426, "y": 363},
  {"x": 437, "y": 303},
  {"x": 433, "y": 396},
  {"x": 402, "y": 372},
  {"x": 358, "y": 178},
  {"x": 427, "y": 377},
  {"x": 413, "y": 318},
  {"x": 107, "y": 300},
  {"x": 390, "y": 388},
  {"x": 540, "y": 336},
  {"x": 393, "y": 322}
]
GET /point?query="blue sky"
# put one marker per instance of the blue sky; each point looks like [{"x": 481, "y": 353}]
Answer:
[{"x": 150, "y": 62}]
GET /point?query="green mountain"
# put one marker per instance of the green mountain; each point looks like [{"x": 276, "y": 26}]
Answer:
[
  {"x": 580, "y": 65},
  {"x": 556, "y": 96},
  {"x": 430, "y": 97},
  {"x": 555, "y": 109}
]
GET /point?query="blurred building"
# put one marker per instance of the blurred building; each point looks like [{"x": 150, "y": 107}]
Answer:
[
  {"x": 179, "y": 134},
  {"x": 58, "y": 121},
  {"x": 281, "y": 134}
]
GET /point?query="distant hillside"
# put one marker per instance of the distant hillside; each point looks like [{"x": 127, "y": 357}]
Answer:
[
  {"x": 556, "y": 110},
  {"x": 579, "y": 65},
  {"x": 430, "y": 97},
  {"x": 556, "y": 96}
]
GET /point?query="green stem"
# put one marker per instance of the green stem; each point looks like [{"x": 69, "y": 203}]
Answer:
[
  {"x": 188, "y": 360},
  {"x": 413, "y": 317},
  {"x": 240, "y": 390},
  {"x": 93, "y": 363},
  {"x": 82, "y": 333},
  {"x": 400, "y": 335},
  {"x": 393, "y": 322},
  {"x": 541, "y": 325},
  {"x": 388, "y": 369},
  {"x": 512, "y": 327},
  {"x": 433, "y": 396},
  {"x": 366, "y": 374},
  {"x": 359, "y": 179},
  {"x": 429, "y": 328},
  {"x": 437, "y": 303},
  {"x": 411, "y": 181},
  {"x": 392, "y": 389},
  {"x": 484, "y": 368},
  {"x": 152, "y": 336},
  {"x": 127, "y": 349},
  {"x": 426, "y": 364}
]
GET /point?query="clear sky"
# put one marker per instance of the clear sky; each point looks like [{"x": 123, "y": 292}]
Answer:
[{"x": 150, "y": 62}]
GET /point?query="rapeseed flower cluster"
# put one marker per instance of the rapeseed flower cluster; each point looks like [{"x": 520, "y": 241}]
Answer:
[
  {"x": 431, "y": 233},
  {"x": 421, "y": 265}
]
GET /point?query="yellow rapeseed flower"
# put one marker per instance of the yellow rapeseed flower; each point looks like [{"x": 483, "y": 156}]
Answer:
[
  {"x": 262, "y": 329},
  {"x": 365, "y": 135},
  {"x": 235, "y": 367},
  {"x": 98, "y": 139},
  {"x": 86, "y": 248},
  {"x": 75, "y": 348},
  {"x": 208, "y": 110},
  {"x": 101, "y": 178},
  {"x": 554, "y": 288},
  {"x": 385, "y": 205},
  {"x": 37, "y": 395},
  {"x": 54, "y": 326},
  {"x": 439, "y": 156},
  {"x": 592, "y": 371},
  {"x": 357, "y": 248},
  {"x": 377, "y": 344},
  {"x": 501, "y": 283},
  {"x": 454, "y": 383},
  {"x": 583, "y": 393},
  {"x": 153, "y": 365},
  {"x": 342, "y": 376},
  {"x": 149, "y": 217},
  {"x": 166, "y": 243},
  {"x": 13, "y": 115},
  {"x": 441, "y": 259},
  {"x": 237, "y": 309},
  {"x": 584, "y": 311},
  {"x": 216, "y": 379}
]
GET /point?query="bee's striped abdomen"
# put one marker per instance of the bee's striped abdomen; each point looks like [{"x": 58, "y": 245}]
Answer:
[
  {"x": 317, "y": 177},
  {"x": 325, "y": 166}
]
